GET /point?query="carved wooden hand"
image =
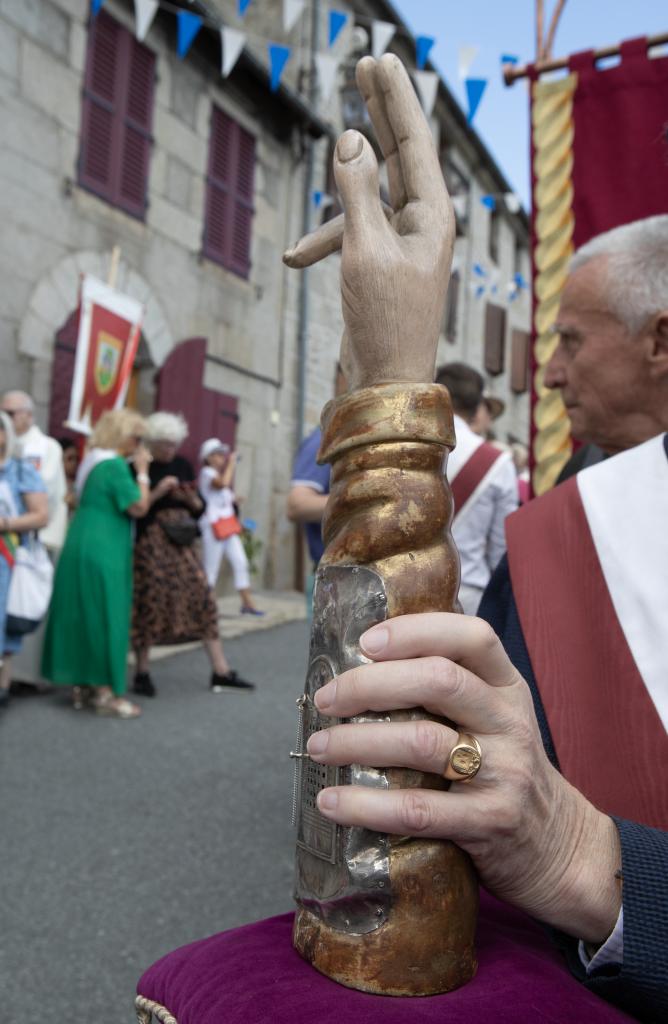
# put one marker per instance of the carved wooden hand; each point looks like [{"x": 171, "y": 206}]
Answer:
[{"x": 396, "y": 265}]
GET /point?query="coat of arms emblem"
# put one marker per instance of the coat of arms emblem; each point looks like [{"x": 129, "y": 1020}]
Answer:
[{"x": 107, "y": 362}]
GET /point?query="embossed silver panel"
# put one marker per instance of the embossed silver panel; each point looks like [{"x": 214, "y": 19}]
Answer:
[{"x": 342, "y": 874}]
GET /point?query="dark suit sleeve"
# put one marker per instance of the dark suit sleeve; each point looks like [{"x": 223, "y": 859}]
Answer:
[{"x": 640, "y": 985}]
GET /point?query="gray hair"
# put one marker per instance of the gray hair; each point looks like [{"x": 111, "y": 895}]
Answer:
[
  {"x": 7, "y": 427},
  {"x": 167, "y": 426},
  {"x": 21, "y": 396},
  {"x": 637, "y": 268}
]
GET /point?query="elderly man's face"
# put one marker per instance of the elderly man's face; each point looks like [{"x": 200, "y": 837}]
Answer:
[
  {"x": 21, "y": 415},
  {"x": 598, "y": 363}
]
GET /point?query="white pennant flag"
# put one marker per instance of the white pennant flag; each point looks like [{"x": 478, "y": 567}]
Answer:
[
  {"x": 231, "y": 43},
  {"x": 467, "y": 54},
  {"x": 381, "y": 34},
  {"x": 292, "y": 10},
  {"x": 512, "y": 202},
  {"x": 427, "y": 85},
  {"x": 459, "y": 204},
  {"x": 144, "y": 14},
  {"x": 326, "y": 66}
]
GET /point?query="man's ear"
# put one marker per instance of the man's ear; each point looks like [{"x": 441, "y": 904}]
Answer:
[{"x": 658, "y": 351}]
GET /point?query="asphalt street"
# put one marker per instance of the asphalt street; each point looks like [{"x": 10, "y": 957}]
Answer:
[{"x": 121, "y": 840}]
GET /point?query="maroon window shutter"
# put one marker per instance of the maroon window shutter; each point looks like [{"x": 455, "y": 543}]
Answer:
[
  {"x": 137, "y": 128},
  {"x": 229, "y": 194},
  {"x": 495, "y": 338},
  {"x": 116, "y": 116},
  {"x": 96, "y": 163},
  {"x": 519, "y": 361}
]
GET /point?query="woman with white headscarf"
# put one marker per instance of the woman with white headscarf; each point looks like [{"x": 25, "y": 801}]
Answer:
[{"x": 23, "y": 507}]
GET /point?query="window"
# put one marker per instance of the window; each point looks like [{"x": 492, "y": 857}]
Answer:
[
  {"x": 494, "y": 233},
  {"x": 495, "y": 337},
  {"x": 519, "y": 361},
  {"x": 450, "y": 321},
  {"x": 229, "y": 194},
  {"x": 116, "y": 116}
]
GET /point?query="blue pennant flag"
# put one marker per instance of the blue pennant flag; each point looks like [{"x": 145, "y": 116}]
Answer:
[
  {"x": 278, "y": 58},
  {"x": 250, "y": 525},
  {"x": 489, "y": 202},
  {"x": 187, "y": 27},
  {"x": 95, "y": 6},
  {"x": 519, "y": 280},
  {"x": 317, "y": 199},
  {"x": 480, "y": 291},
  {"x": 475, "y": 87},
  {"x": 479, "y": 270},
  {"x": 508, "y": 58},
  {"x": 242, "y": 7},
  {"x": 337, "y": 20},
  {"x": 423, "y": 45}
]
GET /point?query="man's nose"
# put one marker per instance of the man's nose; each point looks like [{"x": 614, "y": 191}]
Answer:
[{"x": 555, "y": 371}]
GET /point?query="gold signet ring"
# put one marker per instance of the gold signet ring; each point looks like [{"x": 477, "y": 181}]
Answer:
[{"x": 465, "y": 759}]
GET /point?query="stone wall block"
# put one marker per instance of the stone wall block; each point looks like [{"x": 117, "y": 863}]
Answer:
[
  {"x": 50, "y": 84},
  {"x": 179, "y": 140},
  {"x": 40, "y": 20}
]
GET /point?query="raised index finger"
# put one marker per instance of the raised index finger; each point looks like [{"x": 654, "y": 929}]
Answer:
[{"x": 421, "y": 171}]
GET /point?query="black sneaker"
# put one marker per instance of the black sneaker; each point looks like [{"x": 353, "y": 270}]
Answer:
[
  {"x": 143, "y": 685},
  {"x": 231, "y": 681}
]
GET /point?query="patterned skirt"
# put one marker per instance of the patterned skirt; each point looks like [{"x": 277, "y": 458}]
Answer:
[{"x": 173, "y": 603}]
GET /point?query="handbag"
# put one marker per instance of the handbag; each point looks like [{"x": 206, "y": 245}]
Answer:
[
  {"x": 182, "y": 532},
  {"x": 30, "y": 587},
  {"x": 226, "y": 527}
]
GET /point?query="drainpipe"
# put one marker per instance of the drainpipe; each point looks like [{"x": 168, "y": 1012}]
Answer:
[{"x": 302, "y": 335}]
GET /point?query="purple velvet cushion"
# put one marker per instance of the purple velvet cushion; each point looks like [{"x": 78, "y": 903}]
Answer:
[{"x": 252, "y": 975}]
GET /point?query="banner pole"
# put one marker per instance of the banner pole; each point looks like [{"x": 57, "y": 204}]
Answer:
[
  {"x": 113, "y": 266},
  {"x": 512, "y": 74}
]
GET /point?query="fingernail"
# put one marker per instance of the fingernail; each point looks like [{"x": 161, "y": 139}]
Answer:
[
  {"x": 349, "y": 146},
  {"x": 318, "y": 742},
  {"x": 328, "y": 800},
  {"x": 374, "y": 640},
  {"x": 325, "y": 696}
]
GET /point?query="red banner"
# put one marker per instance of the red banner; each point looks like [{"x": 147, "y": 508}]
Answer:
[
  {"x": 620, "y": 148},
  {"x": 599, "y": 160},
  {"x": 109, "y": 332}
]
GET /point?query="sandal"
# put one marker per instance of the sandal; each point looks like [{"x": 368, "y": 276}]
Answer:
[
  {"x": 116, "y": 707},
  {"x": 81, "y": 697}
]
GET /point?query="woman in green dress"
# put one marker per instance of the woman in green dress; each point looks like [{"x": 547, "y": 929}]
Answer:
[{"x": 87, "y": 633}]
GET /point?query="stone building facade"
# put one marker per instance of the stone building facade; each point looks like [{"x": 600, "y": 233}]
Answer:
[{"x": 231, "y": 328}]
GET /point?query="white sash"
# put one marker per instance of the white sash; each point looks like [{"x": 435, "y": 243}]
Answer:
[{"x": 625, "y": 500}]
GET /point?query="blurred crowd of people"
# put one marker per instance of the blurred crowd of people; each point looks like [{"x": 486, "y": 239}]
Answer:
[{"x": 138, "y": 540}]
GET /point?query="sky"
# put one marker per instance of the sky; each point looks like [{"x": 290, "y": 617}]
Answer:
[{"x": 507, "y": 27}]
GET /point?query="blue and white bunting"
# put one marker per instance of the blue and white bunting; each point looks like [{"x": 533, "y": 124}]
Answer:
[
  {"x": 321, "y": 200},
  {"x": 292, "y": 12},
  {"x": 145, "y": 11},
  {"x": 231, "y": 44},
  {"x": 278, "y": 57},
  {"x": 381, "y": 36},
  {"x": 187, "y": 27},
  {"x": 509, "y": 58},
  {"x": 326, "y": 69},
  {"x": 95, "y": 6},
  {"x": 337, "y": 20},
  {"x": 423, "y": 45},
  {"x": 489, "y": 202},
  {"x": 513, "y": 202},
  {"x": 426, "y": 83},
  {"x": 479, "y": 270},
  {"x": 466, "y": 56},
  {"x": 475, "y": 87},
  {"x": 242, "y": 7}
]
